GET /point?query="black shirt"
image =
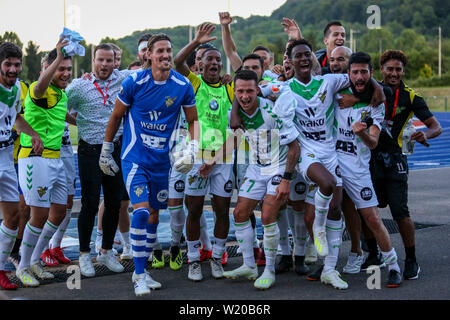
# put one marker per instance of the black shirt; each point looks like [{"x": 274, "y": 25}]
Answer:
[{"x": 400, "y": 106}]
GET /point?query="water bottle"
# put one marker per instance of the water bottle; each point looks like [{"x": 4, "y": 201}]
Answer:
[{"x": 407, "y": 143}]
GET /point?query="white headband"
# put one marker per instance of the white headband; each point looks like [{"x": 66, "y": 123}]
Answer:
[{"x": 142, "y": 45}]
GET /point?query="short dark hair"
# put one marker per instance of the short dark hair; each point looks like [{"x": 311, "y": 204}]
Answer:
[
  {"x": 210, "y": 49},
  {"x": 393, "y": 54},
  {"x": 297, "y": 43},
  {"x": 360, "y": 57},
  {"x": 258, "y": 48},
  {"x": 51, "y": 56},
  {"x": 134, "y": 64},
  {"x": 254, "y": 56},
  {"x": 326, "y": 31},
  {"x": 246, "y": 75},
  {"x": 9, "y": 50},
  {"x": 156, "y": 38},
  {"x": 206, "y": 45},
  {"x": 190, "y": 61},
  {"x": 144, "y": 37},
  {"x": 104, "y": 46}
]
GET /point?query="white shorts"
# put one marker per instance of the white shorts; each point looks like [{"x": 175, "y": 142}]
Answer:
[
  {"x": 361, "y": 191},
  {"x": 9, "y": 190},
  {"x": 299, "y": 187},
  {"x": 177, "y": 182},
  {"x": 43, "y": 181},
  {"x": 307, "y": 158},
  {"x": 219, "y": 182},
  {"x": 69, "y": 166},
  {"x": 256, "y": 185}
]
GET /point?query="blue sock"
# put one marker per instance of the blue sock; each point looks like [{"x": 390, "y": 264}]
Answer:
[{"x": 138, "y": 236}]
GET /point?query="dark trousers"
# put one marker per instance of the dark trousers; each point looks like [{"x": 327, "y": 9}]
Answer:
[{"x": 92, "y": 179}]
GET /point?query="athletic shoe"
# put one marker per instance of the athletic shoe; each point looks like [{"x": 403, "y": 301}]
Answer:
[
  {"x": 176, "y": 258},
  {"x": 26, "y": 277},
  {"x": 242, "y": 271},
  {"x": 41, "y": 273},
  {"x": 310, "y": 254},
  {"x": 333, "y": 278},
  {"x": 5, "y": 283},
  {"x": 260, "y": 257},
  {"x": 394, "y": 280},
  {"x": 48, "y": 259},
  {"x": 354, "y": 263},
  {"x": 14, "y": 259},
  {"x": 373, "y": 261},
  {"x": 140, "y": 285},
  {"x": 300, "y": 268},
  {"x": 195, "y": 271},
  {"x": 86, "y": 266},
  {"x": 284, "y": 264},
  {"x": 265, "y": 281},
  {"x": 224, "y": 259},
  {"x": 320, "y": 241},
  {"x": 59, "y": 255},
  {"x": 110, "y": 261},
  {"x": 127, "y": 253},
  {"x": 412, "y": 270},
  {"x": 152, "y": 284},
  {"x": 158, "y": 259},
  {"x": 315, "y": 275},
  {"x": 99, "y": 248},
  {"x": 216, "y": 268},
  {"x": 205, "y": 254}
]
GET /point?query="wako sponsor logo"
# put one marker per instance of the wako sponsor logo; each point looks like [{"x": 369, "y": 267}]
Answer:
[
  {"x": 312, "y": 123},
  {"x": 154, "y": 116}
]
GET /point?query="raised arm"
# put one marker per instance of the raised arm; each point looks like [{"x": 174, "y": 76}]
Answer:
[
  {"x": 228, "y": 42},
  {"x": 202, "y": 36},
  {"x": 292, "y": 29},
  {"x": 48, "y": 73}
]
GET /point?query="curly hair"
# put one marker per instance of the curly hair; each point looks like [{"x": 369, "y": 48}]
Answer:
[{"x": 393, "y": 54}]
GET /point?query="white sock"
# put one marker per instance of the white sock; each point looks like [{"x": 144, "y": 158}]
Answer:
[
  {"x": 218, "y": 248},
  {"x": 7, "y": 240},
  {"x": 283, "y": 227},
  {"x": 321, "y": 204},
  {"x": 334, "y": 239},
  {"x": 390, "y": 258},
  {"x": 271, "y": 239},
  {"x": 177, "y": 221},
  {"x": 244, "y": 237},
  {"x": 30, "y": 238},
  {"x": 300, "y": 233},
  {"x": 59, "y": 234},
  {"x": 193, "y": 253},
  {"x": 204, "y": 236},
  {"x": 125, "y": 238},
  {"x": 47, "y": 232}
]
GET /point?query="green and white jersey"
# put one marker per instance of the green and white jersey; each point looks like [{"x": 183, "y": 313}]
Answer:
[
  {"x": 267, "y": 137},
  {"x": 311, "y": 108},
  {"x": 9, "y": 108},
  {"x": 353, "y": 154}
]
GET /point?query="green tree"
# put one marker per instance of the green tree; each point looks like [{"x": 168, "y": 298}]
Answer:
[
  {"x": 32, "y": 61},
  {"x": 11, "y": 36},
  {"x": 127, "y": 57}
]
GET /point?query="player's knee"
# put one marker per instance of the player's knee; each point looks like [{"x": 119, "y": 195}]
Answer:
[{"x": 140, "y": 217}]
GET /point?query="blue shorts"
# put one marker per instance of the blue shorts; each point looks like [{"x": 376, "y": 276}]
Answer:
[{"x": 144, "y": 184}]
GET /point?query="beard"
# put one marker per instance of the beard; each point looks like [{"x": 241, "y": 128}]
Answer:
[
  {"x": 366, "y": 94},
  {"x": 4, "y": 75}
]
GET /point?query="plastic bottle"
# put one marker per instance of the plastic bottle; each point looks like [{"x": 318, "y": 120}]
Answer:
[{"x": 407, "y": 143}]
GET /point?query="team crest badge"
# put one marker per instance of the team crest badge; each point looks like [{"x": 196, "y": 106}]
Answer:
[
  {"x": 42, "y": 190},
  {"x": 169, "y": 101},
  {"x": 365, "y": 114},
  {"x": 323, "y": 96},
  {"x": 138, "y": 190},
  {"x": 191, "y": 179}
]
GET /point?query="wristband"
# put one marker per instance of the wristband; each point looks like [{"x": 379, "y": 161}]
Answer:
[{"x": 288, "y": 176}]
